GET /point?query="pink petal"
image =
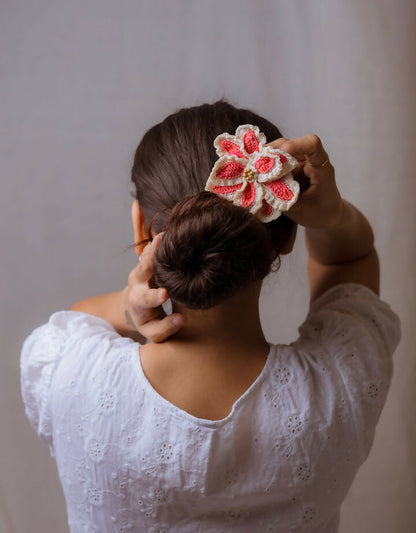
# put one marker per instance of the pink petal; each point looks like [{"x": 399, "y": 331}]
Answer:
[
  {"x": 249, "y": 195},
  {"x": 266, "y": 208},
  {"x": 251, "y": 143},
  {"x": 280, "y": 189},
  {"x": 230, "y": 170},
  {"x": 232, "y": 148},
  {"x": 264, "y": 165},
  {"x": 226, "y": 189}
]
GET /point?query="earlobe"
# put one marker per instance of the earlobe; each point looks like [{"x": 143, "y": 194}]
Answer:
[{"x": 139, "y": 226}]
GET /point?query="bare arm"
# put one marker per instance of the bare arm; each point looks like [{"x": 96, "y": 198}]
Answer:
[
  {"x": 109, "y": 307},
  {"x": 342, "y": 253}
]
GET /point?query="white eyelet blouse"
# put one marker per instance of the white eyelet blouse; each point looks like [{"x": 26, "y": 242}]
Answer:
[{"x": 281, "y": 461}]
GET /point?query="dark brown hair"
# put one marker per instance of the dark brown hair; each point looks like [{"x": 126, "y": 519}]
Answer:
[{"x": 210, "y": 248}]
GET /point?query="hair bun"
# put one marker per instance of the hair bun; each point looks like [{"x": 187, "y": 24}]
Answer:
[{"x": 210, "y": 249}]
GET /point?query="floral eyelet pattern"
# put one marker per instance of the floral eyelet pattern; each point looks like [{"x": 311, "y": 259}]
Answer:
[
  {"x": 252, "y": 175},
  {"x": 308, "y": 514},
  {"x": 95, "y": 450},
  {"x": 129, "y": 460},
  {"x": 107, "y": 401},
  {"x": 95, "y": 496}
]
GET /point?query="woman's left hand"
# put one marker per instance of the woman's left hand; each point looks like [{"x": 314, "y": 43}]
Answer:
[
  {"x": 143, "y": 305},
  {"x": 319, "y": 204}
]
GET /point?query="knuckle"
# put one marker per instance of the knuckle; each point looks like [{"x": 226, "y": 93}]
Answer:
[
  {"x": 135, "y": 295},
  {"x": 288, "y": 145},
  {"x": 131, "y": 278},
  {"x": 315, "y": 140},
  {"x": 132, "y": 299},
  {"x": 146, "y": 271},
  {"x": 153, "y": 299},
  {"x": 147, "y": 300},
  {"x": 147, "y": 249},
  {"x": 157, "y": 337}
]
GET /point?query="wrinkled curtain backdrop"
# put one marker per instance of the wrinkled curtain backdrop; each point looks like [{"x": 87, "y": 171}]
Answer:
[{"x": 82, "y": 81}]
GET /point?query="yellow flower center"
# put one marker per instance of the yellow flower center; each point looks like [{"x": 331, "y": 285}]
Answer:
[{"x": 249, "y": 174}]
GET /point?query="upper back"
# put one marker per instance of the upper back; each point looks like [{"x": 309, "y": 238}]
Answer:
[
  {"x": 283, "y": 458},
  {"x": 206, "y": 385}
]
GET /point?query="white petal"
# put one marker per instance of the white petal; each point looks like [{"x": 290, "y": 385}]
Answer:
[{"x": 221, "y": 152}]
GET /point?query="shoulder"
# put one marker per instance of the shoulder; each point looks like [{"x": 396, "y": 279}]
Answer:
[
  {"x": 346, "y": 343},
  {"x": 348, "y": 326},
  {"x": 64, "y": 328},
  {"x": 66, "y": 335},
  {"x": 355, "y": 331},
  {"x": 348, "y": 313},
  {"x": 333, "y": 380},
  {"x": 48, "y": 343}
]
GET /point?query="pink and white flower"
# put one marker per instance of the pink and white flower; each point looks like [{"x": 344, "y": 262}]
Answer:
[{"x": 252, "y": 175}]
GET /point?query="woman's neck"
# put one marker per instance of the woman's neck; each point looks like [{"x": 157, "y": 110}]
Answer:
[
  {"x": 234, "y": 323},
  {"x": 213, "y": 359}
]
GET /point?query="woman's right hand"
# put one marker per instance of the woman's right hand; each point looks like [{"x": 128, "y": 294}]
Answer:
[
  {"x": 143, "y": 305},
  {"x": 320, "y": 205}
]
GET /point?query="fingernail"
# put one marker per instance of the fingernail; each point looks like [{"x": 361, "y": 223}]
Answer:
[
  {"x": 176, "y": 320},
  {"x": 161, "y": 293}
]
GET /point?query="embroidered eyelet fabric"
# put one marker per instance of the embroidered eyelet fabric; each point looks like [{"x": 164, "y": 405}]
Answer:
[{"x": 281, "y": 461}]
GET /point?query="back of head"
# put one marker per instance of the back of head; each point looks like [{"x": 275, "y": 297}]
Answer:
[{"x": 211, "y": 248}]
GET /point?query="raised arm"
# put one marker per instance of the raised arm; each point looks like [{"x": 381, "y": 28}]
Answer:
[{"x": 339, "y": 238}]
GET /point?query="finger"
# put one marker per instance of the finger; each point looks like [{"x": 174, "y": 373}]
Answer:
[
  {"x": 157, "y": 239},
  {"x": 285, "y": 145},
  {"x": 309, "y": 146},
  {"x": 143, "y": 316},
  {"x": 160, "y": 330},
  {"x": 144, "y": 270},
  {"x": 300, "y": 176},
  {"x": 148, "y": 315},
  {"x": 141, "y": 296},
  {"x": 277, "y": 143}
]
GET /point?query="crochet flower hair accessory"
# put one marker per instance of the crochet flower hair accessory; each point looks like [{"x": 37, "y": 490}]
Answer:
[{"x": 252, "y": 175}]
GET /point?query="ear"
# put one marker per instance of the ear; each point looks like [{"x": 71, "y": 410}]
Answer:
[{"x": 139, "y": 226}]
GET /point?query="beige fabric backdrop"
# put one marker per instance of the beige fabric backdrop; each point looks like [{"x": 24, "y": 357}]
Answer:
[{"x": 80, "y": 83}]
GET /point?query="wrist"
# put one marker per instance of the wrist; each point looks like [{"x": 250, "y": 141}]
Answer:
[
  {"x": 349, "y": 237},
  {"x": 340, "y": 215},
  {"x": 124, "y": 311}
]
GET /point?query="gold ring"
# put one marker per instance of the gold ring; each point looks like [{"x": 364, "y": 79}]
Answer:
[{"x": 325, "y": 162}]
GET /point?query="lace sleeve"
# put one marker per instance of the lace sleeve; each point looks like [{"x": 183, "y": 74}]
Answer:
[
  {"x": 356, "y": 333},
  {"x": 41, "y": 352},
  {"x": 354, "y": 302}
]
